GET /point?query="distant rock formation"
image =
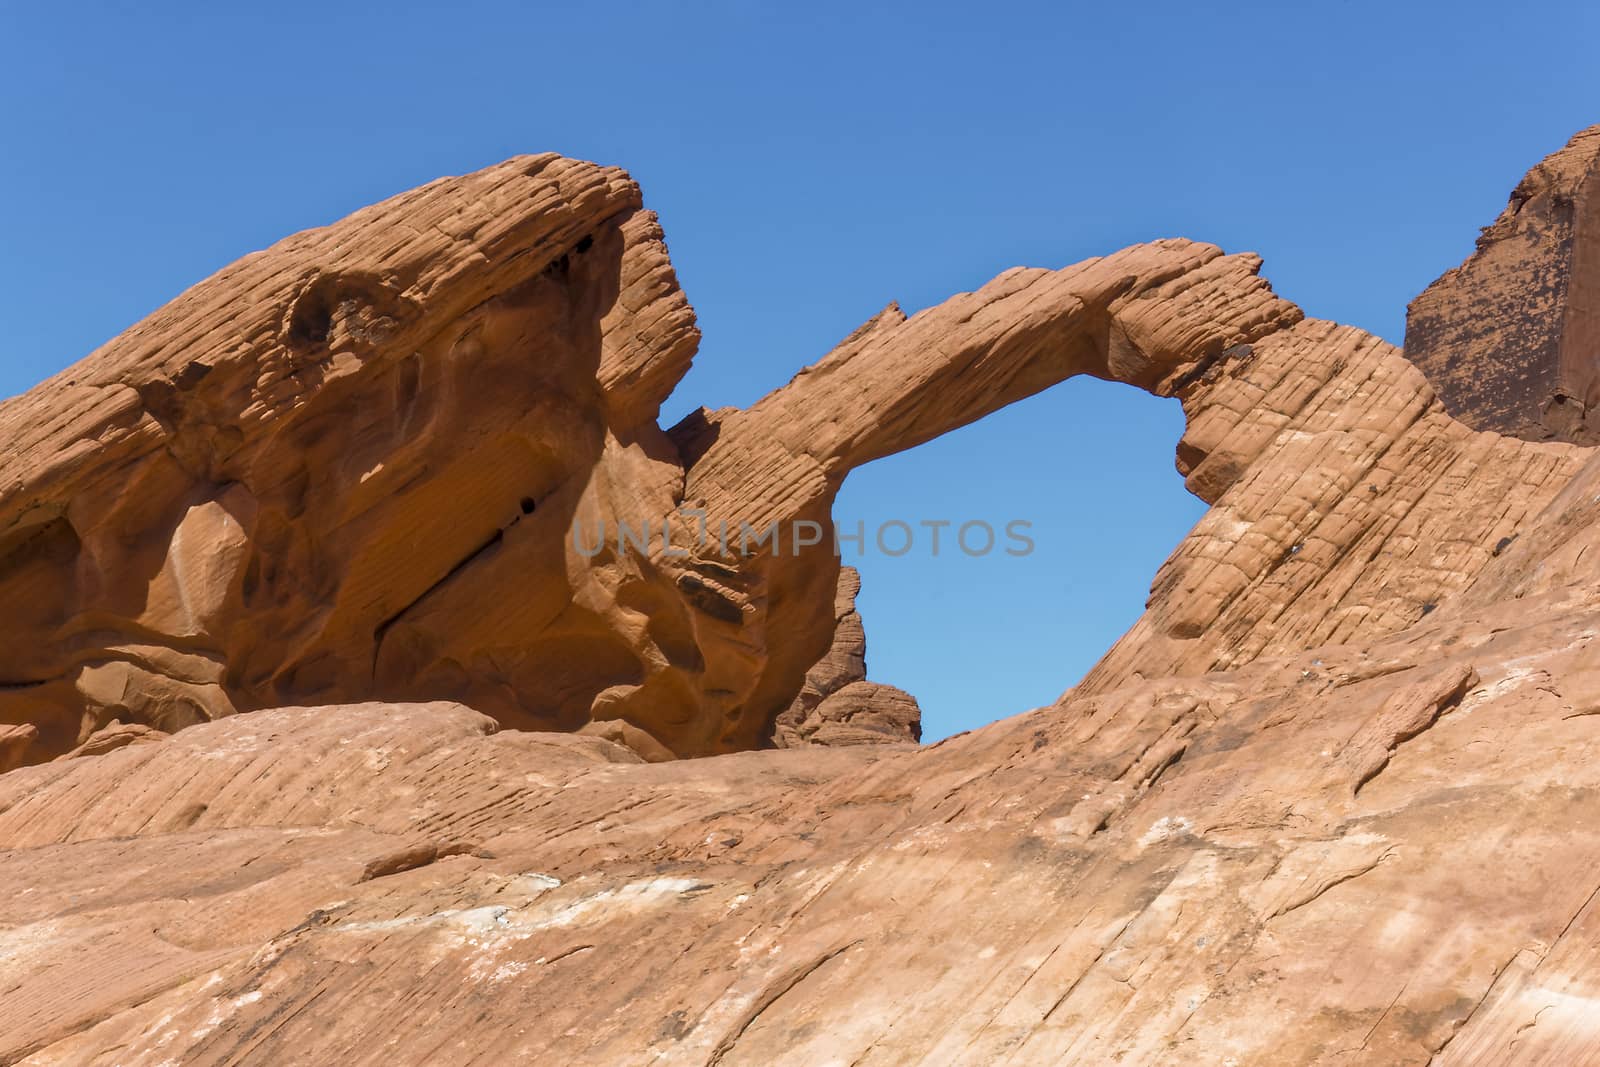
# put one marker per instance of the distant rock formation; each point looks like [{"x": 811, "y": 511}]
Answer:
[{"x": 1511, "y": 338}]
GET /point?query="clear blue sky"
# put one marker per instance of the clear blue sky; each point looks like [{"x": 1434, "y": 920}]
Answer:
[{"x": 812, "y": 162}]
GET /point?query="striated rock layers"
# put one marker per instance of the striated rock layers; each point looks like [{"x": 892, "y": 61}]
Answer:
[
  {"x": 347, "y": 466},
  {"x": 1380, "y": 853},
  {"x": 1331, "y": 800},
  {"x": 1511, "y": 338},
  {"x": 399, "y": 457},
  {"x": 837, "y": 705}
]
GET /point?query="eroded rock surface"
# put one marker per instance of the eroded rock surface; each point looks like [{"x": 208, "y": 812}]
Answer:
[
  {"x": 1331, "y": 800},
  {"x": 400, "y": 458},
  {"x": 1511, "y": 338},
  {"x": 1381, "y": 851},
  {"x": 837, "y": 705},
  {"x": 287, "y": 483}
]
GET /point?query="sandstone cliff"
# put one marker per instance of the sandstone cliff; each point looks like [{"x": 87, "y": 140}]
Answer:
[{"x": 1331, "y": 800}]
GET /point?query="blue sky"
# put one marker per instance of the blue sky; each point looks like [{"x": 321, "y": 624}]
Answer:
[{"x": 812, "y": 162}]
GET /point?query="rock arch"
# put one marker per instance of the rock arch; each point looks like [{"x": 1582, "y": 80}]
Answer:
[
  {"x": 307, "y": 479},
  {"x": 1345, "y": 502}
]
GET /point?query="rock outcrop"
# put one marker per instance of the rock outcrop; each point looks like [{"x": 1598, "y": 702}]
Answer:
[
  {"x": 413, "y": 456},
  {"x": 837, "y": 705},
  {"x": 1381, "y": 852},
  {"x": 15, "y": 741},
  {"x": 285, "y": 483},
  {"x": 1331, "y": 800},
  {"x": 347, "y": 468},
  {"x": 1511, "y": 338}
]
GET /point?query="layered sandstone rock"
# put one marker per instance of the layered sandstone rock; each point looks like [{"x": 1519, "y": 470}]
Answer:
[
  {"x": 1331, "y": 800},
  {"x": 415, "y": 456},
  {"x": 837, "y": 705},
  {"x": 1346, "y": 505},
  {"x": 1378, "y": 852},
  {"x": 15, "y": 741},
  {"x": 1511, "y": 338},
  {"x": 272, "y": 486},
  {"x": 348, "y": 467}
]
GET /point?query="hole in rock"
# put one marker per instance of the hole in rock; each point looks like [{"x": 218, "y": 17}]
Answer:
[
  {"x": 975, "y": 636},
  {"x": 311, "y": 322}
]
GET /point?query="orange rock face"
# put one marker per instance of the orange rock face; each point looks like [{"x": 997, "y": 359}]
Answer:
[
  {"x": 1331, "y": 799},
  {"x": 1379, "y": 847},
  {"x": 837, "y": 705},
  {"x": 316, "y": 477},
  {"x": 275, "y": 484}
]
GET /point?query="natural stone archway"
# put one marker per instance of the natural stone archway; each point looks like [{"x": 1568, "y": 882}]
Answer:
[
  {"x": 1380, "y": 849},
  {"x": 1320, "y": 505},
  {"x": 347, "y": 467}
]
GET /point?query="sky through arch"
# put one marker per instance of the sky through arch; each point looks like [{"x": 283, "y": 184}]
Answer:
[{"x": 979, "y": 635}]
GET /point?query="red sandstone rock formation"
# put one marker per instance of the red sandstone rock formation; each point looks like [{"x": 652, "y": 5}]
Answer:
[
  {"x": 15, "y": 741},
  {"x": 1511, "y": 338},
  {"x": 398, "y": 419},
  {"x": 1380, "y": 849},
  {"x": 837, "y": 705},
  {"x": 1331, "y": 800},
  {"x": 315, "y": 477}
]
